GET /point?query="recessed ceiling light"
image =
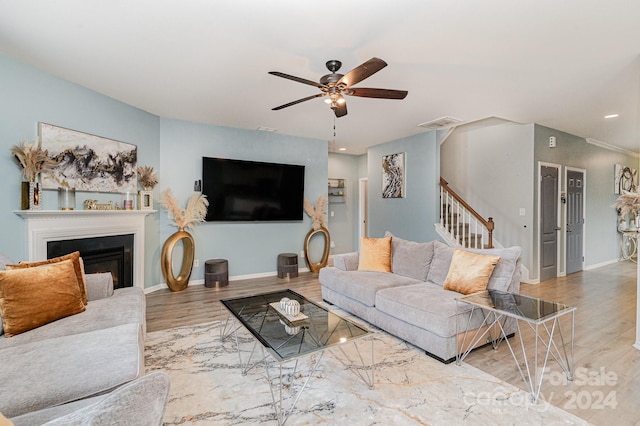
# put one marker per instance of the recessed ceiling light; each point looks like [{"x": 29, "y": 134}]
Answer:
[
  {"x": 342, "y": 149},
  {"x": 612, "y": 116}
]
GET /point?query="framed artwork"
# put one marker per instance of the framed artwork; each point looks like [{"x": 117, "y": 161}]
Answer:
[
  {"x": 393, "y": 176},
  {"x": 88, "y": 162},
  {"x": 625, "y": 179}
]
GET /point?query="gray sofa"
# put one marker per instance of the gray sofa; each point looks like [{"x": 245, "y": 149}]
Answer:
[
  {"x": 411, "y": 302},
  {"x": 63, "y": 366}
]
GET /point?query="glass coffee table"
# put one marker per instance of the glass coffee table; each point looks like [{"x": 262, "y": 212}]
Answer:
[
  {"x": 282, "y": 340},
  {"x": 541, "y": 316}
]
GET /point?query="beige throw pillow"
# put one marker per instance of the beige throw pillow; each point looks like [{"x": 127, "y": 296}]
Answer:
[
  {"x": 78, "y": 266},
  {"x": 469, "y": 272},
  {"x": 31, "y": 297},
  {"x": 375, "y": 254}
]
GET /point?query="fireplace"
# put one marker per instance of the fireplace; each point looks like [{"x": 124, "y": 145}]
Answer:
[
  {"x": 101, "y": 254},
  {"x": 45, "y": 226}
]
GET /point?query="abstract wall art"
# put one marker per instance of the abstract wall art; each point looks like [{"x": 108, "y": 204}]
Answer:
[
  {"x": 88, "y": 162},
  {"x": 393, "y": 175},
  {"x": 625, "y": 179}
]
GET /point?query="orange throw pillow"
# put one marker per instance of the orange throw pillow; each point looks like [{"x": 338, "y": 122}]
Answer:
[
  {"x": 375, "y": 254},
  {"x": 31, "y": 297},
  {"x": 469, "y": 272},
  {"x": 78, "y": 266}
]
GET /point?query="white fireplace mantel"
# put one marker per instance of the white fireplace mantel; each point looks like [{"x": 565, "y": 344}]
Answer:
[{"x": 55, "y": 225}]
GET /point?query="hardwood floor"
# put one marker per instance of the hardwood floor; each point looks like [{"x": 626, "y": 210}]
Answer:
[{"x": 606, "y": 389}]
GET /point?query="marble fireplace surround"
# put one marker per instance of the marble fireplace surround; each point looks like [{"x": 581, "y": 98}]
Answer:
[{"x": 43, "y": 226}]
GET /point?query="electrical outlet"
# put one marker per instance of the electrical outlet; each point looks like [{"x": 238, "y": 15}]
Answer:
[
  {"x": 196, "y": 263},
  {"x": 301, "y": 253}
]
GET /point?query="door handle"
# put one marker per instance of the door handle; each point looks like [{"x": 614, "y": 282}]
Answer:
[{"x": 558, "y": 228}]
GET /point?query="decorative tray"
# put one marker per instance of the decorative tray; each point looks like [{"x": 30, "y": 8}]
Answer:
[{"x": 290, "y": 318}]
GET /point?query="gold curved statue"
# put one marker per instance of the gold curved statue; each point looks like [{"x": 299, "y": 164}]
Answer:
[
  {"x": 315, "y": 267},
  {"x": 180, "y": 282}
]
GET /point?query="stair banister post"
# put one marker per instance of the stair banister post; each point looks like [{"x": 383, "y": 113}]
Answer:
[{"x": 490, "y": 226}]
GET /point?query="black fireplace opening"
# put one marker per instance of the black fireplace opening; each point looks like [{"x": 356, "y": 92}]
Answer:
[{"x": 101, "y": 254}]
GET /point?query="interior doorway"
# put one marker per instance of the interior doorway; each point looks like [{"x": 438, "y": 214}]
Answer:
[
  {"x": 363, "y": 185},
  {"x": 548, "y": 224},
  {"x": 576, "y": 189}
]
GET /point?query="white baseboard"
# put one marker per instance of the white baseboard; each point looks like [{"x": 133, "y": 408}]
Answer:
[{"x": 601, "y": 264}]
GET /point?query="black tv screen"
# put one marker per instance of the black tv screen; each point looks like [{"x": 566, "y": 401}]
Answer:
[{"x": 251, "y": 191}]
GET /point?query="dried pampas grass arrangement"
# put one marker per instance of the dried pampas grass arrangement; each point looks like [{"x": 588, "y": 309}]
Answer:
[
  {"x": 32, "y": 158},
  {"x": 317, "y": 214},
  {"x": 195, "y": 212},
  {"x": 147, "y": 177},
  {"x": 628, "y": 203}
]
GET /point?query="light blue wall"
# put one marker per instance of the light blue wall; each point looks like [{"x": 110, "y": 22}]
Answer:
[
  {"x": 29, "y": 96},
  {"x": 343, "y": 225},
  {"x": 412, "y": 217},
  {"x": 250, "y": 248},
  {"x": 173, "y": 148}
]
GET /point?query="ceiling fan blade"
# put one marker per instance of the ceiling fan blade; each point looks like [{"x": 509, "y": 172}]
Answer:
[
  {"x": 298, "y": 79},
  {"x": 363, "y": 71},
  {"x": 341, "y": 107},
  {"x": 297, "y": 102},
  {"x": 376, "y": 93}
]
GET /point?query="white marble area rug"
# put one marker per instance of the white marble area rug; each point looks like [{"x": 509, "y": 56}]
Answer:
[{"x": 207, "y": 387}]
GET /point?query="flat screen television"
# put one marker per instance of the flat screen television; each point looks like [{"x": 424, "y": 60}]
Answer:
[{"x": 251, "y": 191}]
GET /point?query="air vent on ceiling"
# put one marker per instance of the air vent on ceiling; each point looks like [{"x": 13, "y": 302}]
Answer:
[
  {"x": 267, "y": 129},
  {"x": 441, "y": 123}
]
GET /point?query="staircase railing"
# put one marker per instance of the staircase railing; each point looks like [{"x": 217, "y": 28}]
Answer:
[{"x": 464, "y": 225}]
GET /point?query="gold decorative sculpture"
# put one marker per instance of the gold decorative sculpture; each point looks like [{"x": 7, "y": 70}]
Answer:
[
  {"x": 319, "y": 226},
  {"x": 183, "y": 218}
]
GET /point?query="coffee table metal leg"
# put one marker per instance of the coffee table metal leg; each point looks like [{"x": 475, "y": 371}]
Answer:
[
  {"x": 366, "y": 374},
  {"x": 533, "y": 379},
  {"x": 282, "y": 413}
]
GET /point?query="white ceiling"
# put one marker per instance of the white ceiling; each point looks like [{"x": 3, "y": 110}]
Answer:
[{"x": 563, "y": 64}]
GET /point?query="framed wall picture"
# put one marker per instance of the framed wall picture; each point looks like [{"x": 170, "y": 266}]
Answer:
[
  {"x": 88, "y": 162},
  {"x": 625, "y": 179},
  {"x": 393, "y": 176}
]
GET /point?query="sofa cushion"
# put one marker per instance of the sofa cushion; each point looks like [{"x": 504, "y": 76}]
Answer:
[
  {"x": 78, "y": 266},
  {"x": 126, "y": 306},
  {"x": 361, "y": 285},
  {"x": 375, "y": 254},
  {"x": 42, "y": 374},
  {"x": 32, "y": 297},
  {"x": 427, "y": 306},
  {"x": 500, "y": 278},
  {"x": 410, "y": 258},
  {"x": 469, "y": 272}
]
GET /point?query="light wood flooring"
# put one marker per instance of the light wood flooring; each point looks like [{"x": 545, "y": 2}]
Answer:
[{"x": 606, "y": 390}]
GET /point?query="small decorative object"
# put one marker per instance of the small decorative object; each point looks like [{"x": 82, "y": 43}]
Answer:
[
  {"x": 629, "y": 203},
  {"x": 127, "y": 201},
  {"x": 292, "y": 308},
  {"x": 34, "y": 160},
  {"x": 66, "y": 198},
  {"x": 393, "y": 175},
  {"x": 193, "y": 214},
  {"x": 94, "y": 205},
  {"x": 283, "y": 303},
  {"x": 319, "y": 226},
  {"x": 148, "y": 179}
]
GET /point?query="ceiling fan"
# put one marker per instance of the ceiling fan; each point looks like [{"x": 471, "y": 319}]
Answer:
[{"x": 336, "y": 85}]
